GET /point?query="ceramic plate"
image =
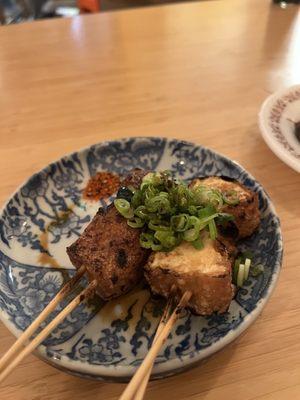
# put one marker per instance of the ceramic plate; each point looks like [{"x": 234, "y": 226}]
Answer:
[
  {"x": 276, "y": 118},
  {"x": 108, "y": 341}
]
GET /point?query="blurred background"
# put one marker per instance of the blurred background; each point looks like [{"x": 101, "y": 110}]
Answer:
[{"x": 16, "y": 11}]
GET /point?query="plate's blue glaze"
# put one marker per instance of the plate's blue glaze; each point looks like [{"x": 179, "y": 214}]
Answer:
[{"x": 108, "y": 341}]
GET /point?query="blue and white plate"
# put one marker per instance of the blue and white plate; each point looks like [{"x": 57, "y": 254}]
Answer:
[{"x": 109, "y": 340}]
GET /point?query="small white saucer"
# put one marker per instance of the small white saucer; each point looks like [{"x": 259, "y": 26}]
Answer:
[{"x": 276, "y": 120}]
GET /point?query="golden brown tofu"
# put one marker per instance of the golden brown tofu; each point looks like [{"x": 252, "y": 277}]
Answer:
[
  {"x": 246, "y": 212},
  {"x": 205, "y": 273}
]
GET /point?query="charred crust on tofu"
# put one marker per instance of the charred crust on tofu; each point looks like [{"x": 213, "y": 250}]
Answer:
[
  {"x": 230, "y": 230},
  {"x": 118, "y": 218},
  {"x": 121, "y": 258},
  {"x": 114, "y": 279},
  {"x": 220, "y": 246},
  {"x": 101, "y": 211}
]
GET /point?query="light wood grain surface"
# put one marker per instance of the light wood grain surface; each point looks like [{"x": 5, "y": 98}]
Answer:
[{"x": 197, "y": 71}]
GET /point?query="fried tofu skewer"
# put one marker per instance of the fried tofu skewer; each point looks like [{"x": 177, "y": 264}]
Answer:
[{"x": 109, "y": 253}]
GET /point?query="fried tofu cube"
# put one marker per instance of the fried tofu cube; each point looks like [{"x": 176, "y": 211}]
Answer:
[
  {"x": 245, "y": 212},
  {"x": 205, "y": 273}
]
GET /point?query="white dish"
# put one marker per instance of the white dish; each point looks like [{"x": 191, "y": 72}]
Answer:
[{"x": 276, "y": 120}]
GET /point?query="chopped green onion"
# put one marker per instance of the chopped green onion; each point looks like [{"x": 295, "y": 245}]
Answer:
[
  {"x": 193, "y": 210},
  {"x": 136, "y": 222},
  {"x": 235, "y": 270},
  {"x": 141, "y": 212},
  {"x": 123, "y": 206},
  {"x": 166, "y": 239},
  {"x": 205, "y": 221},
  {"x": 150, "y": 192},
  {"x": 170, "y": 211},
  {"x": 240, "y": 275},
  {"x": 159, "y": 204},
  {"x": 137, "y": 199},
  {"x": 242, "y": 269},
  {"x": 224, "y": 218},
  {"x": 198, "y": 244},
  {"x": 158, "y": 227},
  {"x": 191, "y": 235},
  {"x": 212, "y": 229},
  {"x": 180, "y": 222},
  {"x": 194, "y": 222},
  {"x": 147, "y": 241},
  {"x": 208, "y": 196},
  {"x": 207, "y": 211},
  {"x": 247, "y": 267}
]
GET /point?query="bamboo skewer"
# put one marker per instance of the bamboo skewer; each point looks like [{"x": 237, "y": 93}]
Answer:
[
  {"x": 137, "y": 386},
  {"x": 141, "y": 390},
  {"x": 49, "y": 328},
  {"x": 140, "y": 374},
  {"x": 43, "y": 315}
]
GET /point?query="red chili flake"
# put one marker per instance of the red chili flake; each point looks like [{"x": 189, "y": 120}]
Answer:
[{"x": 101, "y": 185}]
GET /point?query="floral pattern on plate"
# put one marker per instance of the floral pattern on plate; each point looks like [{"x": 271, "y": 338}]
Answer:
[{"x": 108, "y": 340}]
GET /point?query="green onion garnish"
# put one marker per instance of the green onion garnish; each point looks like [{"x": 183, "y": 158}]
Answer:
[
  {"x": 212, "y": 229},
  {"x": 136, "y": 222},
  {"x": 240, "y": 275},
  {"x": 179, "y": 223},
  {"x": 148, "y": 242},
  {"x": 123, "y": 206},
  {"x": 242, "y": 269},
  {"x": 247, "y": 268},
  {"x": 170, "y": 212},
  {"x": 235, "y": 270},
  {"x": 198, "y": 244},
  {"x": 191, "y": 235}
]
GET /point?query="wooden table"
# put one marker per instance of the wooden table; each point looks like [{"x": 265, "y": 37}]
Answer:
[{"x": 197, "y": 71}]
